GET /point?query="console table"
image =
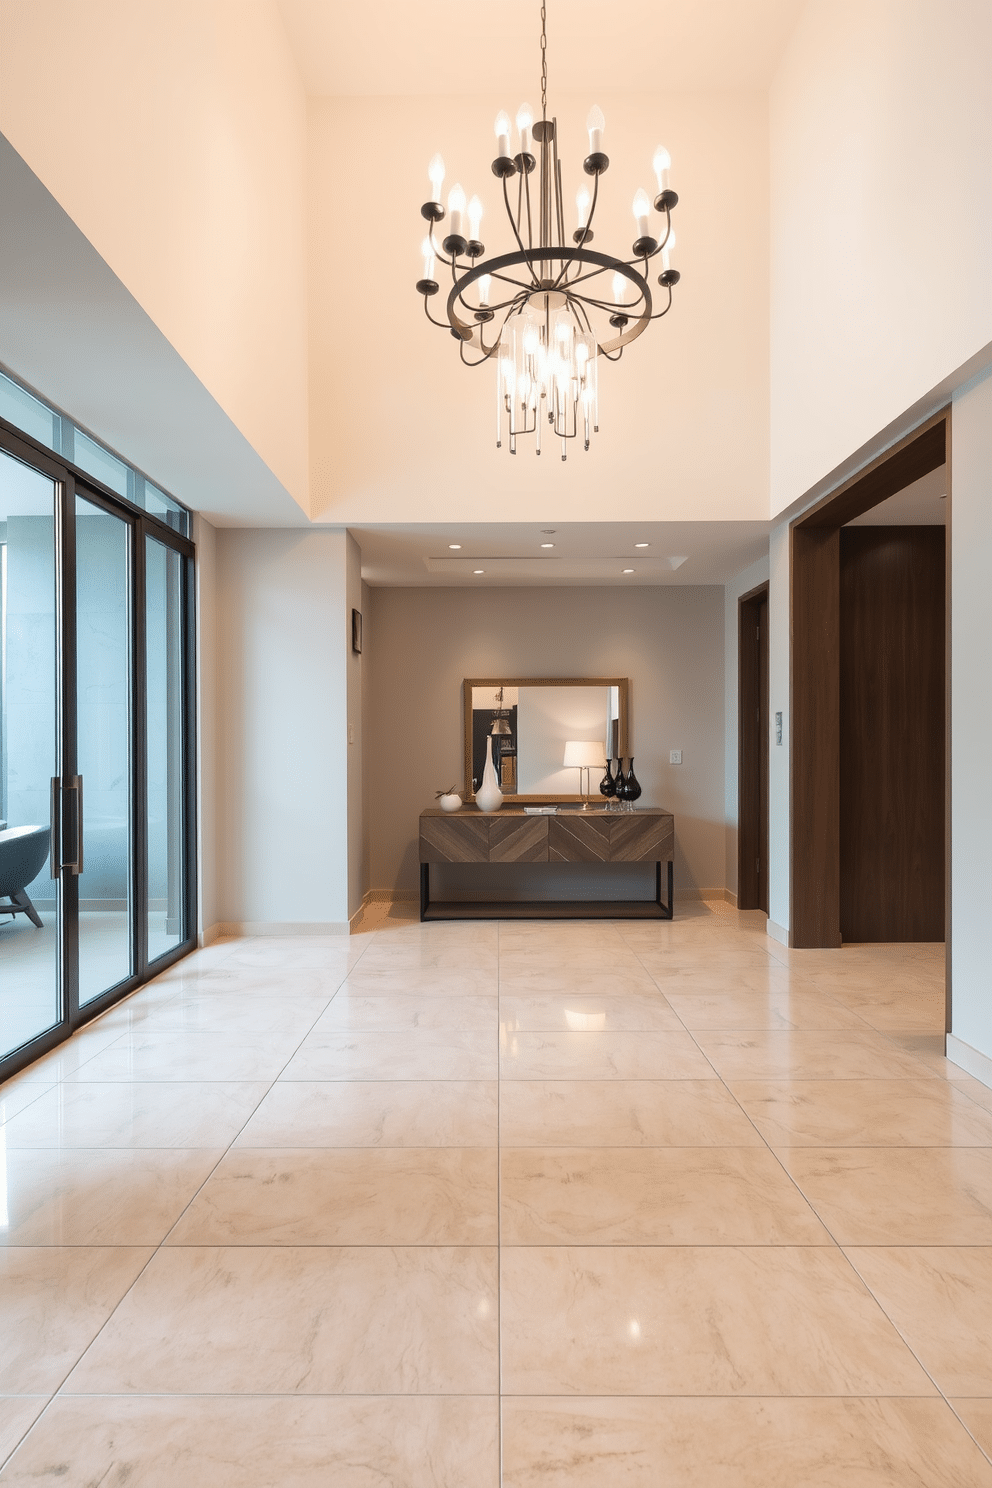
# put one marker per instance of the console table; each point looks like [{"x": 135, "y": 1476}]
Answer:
[{"x": 513, "y": 836}]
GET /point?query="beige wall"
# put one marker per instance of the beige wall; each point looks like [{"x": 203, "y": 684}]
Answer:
[
  {"x": 668, "y": 641},
  {"x": 282, "y": 704},
  {"x": 881, "y": 220},
  {"x": 174, "y": 135},
  {"x": 402, "y": 431}
]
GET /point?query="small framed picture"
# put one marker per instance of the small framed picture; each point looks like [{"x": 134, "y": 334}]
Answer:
[{"x": 356, "y": 631}]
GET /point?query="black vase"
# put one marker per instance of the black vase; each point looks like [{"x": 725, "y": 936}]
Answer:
[
  {"x": 619, "y": 781},
  {"x": 608, "y": 786},
  {"x": 631, "y": 789}
]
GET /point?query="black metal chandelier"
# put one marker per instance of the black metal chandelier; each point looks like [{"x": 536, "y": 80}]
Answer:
[{"x": 548, "y": 320}]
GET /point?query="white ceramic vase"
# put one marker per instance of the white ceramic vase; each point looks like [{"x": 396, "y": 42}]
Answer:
[
  {"x": 450, "y": 802},
  {"x": 489, "y": 797}
]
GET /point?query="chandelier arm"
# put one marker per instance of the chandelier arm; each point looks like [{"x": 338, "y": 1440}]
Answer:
[
  {"x": 480, "y": 362},
  {"x": 514, "y": 225},
  {"x": 667, "y": 307},
  {"x": 615, "y": 358},
  {"x": 441, "y": 324}
]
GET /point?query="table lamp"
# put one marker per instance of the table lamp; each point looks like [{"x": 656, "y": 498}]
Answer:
[{"x": 584, "y": 754}]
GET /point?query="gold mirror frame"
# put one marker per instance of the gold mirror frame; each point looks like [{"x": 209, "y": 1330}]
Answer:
[{"x": 622, "y": 684}]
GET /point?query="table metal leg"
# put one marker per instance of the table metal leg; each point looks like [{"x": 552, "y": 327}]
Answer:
[{"x": 425, "y": 889}]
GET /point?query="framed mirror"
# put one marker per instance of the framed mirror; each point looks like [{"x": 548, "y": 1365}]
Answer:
[{"x": 527, "y": 722}]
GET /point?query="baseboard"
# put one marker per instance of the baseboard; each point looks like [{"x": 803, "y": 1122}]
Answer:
[
  {"x": 973, "y": 1061},
  {"x": 283, "y": 928},
  {"x": 208, "y": 936},
  {"x": 777, "y": 932}
]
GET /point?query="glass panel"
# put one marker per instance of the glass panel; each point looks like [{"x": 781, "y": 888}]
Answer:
[
  {"x": 164, "y": 647},
  {"x": 103, "y": 748},
  {"x": 95, "y": 460},
  {"x": 157, "y": 504},
  {"x": 26, "y": 413},
  {"x": 29, "y": 996}
]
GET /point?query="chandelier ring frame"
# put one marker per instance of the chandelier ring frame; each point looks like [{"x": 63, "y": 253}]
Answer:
[{"x": 638, "y": 320}]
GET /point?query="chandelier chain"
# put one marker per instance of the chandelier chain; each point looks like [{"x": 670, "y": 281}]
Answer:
[{"x": 544, "y": 61}]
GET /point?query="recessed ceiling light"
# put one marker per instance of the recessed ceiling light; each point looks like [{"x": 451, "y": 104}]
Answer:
[
  {"x": 454, "y": 545},
  {"x": 478, "y": 570},
  {"x": 642, "y": 545},
  {"x": 628, "y": 570},
  {"x": 547, "y": 545}
]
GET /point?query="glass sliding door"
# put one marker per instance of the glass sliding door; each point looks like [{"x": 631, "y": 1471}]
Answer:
[
  {"x": 103, "y": 750},
  {"x": 96, "y": 854},
  {"x": 165, "y": 752},
  {"x": 30, "y": 998}
]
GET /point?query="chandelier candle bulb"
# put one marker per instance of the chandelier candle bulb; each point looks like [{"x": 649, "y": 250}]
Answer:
[
  {"x": 427, "y": 250},
  {"x": 475, "y": 211},
  {"x": 525, "y": 119},
  {"x": 456, "y": 206},
  {"x": 484, "y": 284},
  {"x": 662, "y": 165},
  {"x": 502, "y": 128},
  {"x": 642, "y": 213},
  {"x": 666, "y": 252},
  {"x": 595, "y": 123},
  {"x": 619, "y": 285}
]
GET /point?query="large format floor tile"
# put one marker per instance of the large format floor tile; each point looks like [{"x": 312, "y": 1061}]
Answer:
[
  {"x": 893, "y": 1196},
  {"x": 54, "y": 1302},
  {"x": 377, "y": 1196},
  {"x": 112, "y": 1196},
  {"x": 166, "y": 1114},
  {"x": 863, "y": 1113},
  {"x": 368, "y": 1054},
  {"x": 256, "y": 1442},
  {"x": 375, "y": 1113},
  {"x": 940, "y": 1299},
  {"x": 752, "y": 1443},
  {"x": 652, "y": 1195},
  {"x": 314, "y": 1321},
  {"x": 709, "y": 1320},
  {"x": 622, "y": 1113},
  {"x": 602, "y": 1056}
]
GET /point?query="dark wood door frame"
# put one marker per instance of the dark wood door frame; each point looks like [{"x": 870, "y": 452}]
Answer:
[
  {"x": 752, "y": 750},
  {"x": 815, "y": 677}
]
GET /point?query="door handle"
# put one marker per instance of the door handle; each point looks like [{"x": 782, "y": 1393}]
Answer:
[{"x": 72, "y": 783}]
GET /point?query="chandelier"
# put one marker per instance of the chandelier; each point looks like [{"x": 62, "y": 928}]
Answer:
[{"x": 542, "y": 312}]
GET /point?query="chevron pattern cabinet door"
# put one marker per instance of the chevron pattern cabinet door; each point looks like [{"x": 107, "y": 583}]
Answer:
[
  {"x": 579, "y": 839},
  {"x": 514, "y": 839},
  {"x": 637, "y": 838},
  {"x": 454, "y": 839}
]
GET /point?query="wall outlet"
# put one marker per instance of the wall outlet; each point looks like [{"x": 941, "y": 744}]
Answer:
[{"x": 675, "y": 758}]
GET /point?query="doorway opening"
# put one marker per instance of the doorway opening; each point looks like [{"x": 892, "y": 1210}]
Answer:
[
  {"x": 752, "y": 749},
  {"x": 870, "y": 717}
]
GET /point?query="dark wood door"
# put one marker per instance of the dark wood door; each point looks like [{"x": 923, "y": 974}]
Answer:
[
  {"x": 753, "y": 722},
  {"x": 892, "y": 733}
]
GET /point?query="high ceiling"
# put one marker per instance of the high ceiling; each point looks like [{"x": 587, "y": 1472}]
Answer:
[{"x": 481, "y": 46}]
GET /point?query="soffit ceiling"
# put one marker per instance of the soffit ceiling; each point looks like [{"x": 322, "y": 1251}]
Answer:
[
  {"x": 481, "y": 46},
  {"x": 584, "y": 553},
  {"x": 922, "y": 504}
]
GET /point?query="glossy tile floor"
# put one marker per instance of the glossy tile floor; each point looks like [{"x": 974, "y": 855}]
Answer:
[{"x": 530, "y": 1204}]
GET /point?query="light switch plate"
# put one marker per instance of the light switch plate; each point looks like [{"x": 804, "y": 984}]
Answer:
[{"x": 675, "y": 758}]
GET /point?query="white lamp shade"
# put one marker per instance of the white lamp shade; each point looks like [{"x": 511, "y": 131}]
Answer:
[{"x": 584, "y": 752}]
